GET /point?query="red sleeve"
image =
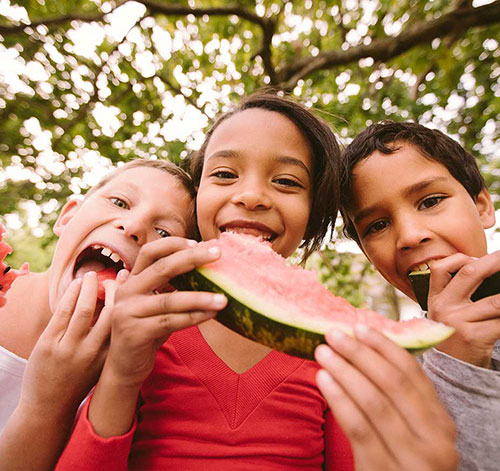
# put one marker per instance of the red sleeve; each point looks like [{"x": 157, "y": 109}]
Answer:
[
  {"x": 338, "y": 451},
  {"x": 87, "y": 451}
]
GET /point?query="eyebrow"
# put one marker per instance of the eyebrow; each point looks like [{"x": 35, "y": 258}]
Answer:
[
  {"x": 411, "y": 190},
  {"x": 282, "y": 159},
  {"x": 170, "y": 215}
]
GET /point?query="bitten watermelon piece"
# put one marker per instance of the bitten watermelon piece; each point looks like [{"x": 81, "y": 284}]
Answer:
[
  {"x": 7, "y": 274},
  {"x": 420, "y": 280},
  {"x": 285, "y": 307}
]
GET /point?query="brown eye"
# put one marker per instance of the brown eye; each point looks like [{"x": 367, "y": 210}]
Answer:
[
  {"x": 431, "y": 201},
  {"x": 119, "y": 202},
  {"x": 163, "y": 233}
]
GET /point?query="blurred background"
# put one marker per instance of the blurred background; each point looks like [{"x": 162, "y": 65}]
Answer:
[{"x": 85, "y": 84}]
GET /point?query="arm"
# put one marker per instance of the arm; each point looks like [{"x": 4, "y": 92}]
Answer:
[
  {"x": 477, "y": 324},
  {"x": 64, "y": 365},
  {"x": 385, "y": 404},
  {"x": 141, "y": 322},
  {"x": 472, "y": 397}
]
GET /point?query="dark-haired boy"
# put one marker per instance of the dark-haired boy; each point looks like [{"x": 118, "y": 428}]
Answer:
[{"x": 413, "y": 197}]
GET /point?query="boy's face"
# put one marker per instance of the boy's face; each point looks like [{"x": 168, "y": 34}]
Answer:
[
  {"x": 136, "y": 206},
  {"x": 408, "y": 209},
  {"x": 257, "y": 179}
]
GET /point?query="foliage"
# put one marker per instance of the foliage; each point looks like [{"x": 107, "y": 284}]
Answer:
[{"x": 87, "y": 83}]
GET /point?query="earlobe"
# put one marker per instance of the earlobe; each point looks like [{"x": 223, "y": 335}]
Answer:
[
  {"x": 485, "y": 208},
  {"x": 66, "y": 214}
]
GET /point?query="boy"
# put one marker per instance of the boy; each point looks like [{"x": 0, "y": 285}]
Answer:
[
  {"x": 63, "y": 324},
  {"x": 413, "y": 198}
]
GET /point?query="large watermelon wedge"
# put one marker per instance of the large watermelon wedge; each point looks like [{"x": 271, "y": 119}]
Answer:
[
  {"x": 285, "y": 307},
  {"x": 7, "y": 274}
]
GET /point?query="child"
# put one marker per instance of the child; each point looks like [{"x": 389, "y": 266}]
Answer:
[
  {"x": 412, "y": 198},
  {"x": 118, "y": 225},
  {"x": 216, "y": 400}
]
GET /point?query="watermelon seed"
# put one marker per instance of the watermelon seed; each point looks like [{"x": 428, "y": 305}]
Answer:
[{"x": 7, "y": 269}]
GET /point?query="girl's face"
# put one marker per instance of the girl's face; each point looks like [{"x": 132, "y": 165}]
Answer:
[{"x": 257, "y": 179}]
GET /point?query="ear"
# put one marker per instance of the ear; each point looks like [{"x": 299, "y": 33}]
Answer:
[
  {"x": 66, "y": 214},
  {"x": 485, "y": 208}
]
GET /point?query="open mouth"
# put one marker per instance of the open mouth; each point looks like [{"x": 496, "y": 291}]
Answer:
[
  {"x": 103, "y": 261},
  {"x": 256, "y": 231}
]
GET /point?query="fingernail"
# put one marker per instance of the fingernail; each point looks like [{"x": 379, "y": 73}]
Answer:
[
  {"x": 191, "y": 243},
  {"x": 219, "y": 300},
  {"x": 361, "y": 330},
  {"x": 324, "y": 379},
  {"x": 323, "y": 353},
  {"x": 91, "y": 274},
  {"x": 215, "y": 251},
  {"x": 335, "y": 335}
]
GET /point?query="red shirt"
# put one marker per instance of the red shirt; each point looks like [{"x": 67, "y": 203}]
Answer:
[{"x": 198, "y": 414}]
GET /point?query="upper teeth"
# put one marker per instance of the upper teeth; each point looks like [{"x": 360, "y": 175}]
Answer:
[
  {"x": 108, "y": 253},
  {"x": 422, "y": 266}
]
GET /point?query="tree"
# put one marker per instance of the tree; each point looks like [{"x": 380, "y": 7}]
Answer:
[{"x": 95, "y": 81}]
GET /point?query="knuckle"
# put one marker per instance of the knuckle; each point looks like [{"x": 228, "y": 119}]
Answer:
[
  {"x": 495, "y": 302},
  {"x": 165, "y": 322},
  {"x": 467, "y": 271},
  {"x": 360, "y": 433}
]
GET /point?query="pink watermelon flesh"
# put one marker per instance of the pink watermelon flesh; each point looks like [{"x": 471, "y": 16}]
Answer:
[
  {"x": 7, "y": 274},
  {"x": 250, "y": 271}
]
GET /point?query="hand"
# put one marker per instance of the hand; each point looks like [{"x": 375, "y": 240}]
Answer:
[
  {"x": 477, "y": 324},
  {"x": 68, "y": 357},
  {"x": 385, "y": 404},
  {"x": 142, "y": 320}
]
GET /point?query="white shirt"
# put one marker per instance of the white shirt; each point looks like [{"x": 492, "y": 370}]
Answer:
[{"x": 11, "y": 377}]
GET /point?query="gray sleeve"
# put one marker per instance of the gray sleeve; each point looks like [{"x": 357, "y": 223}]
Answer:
[{"x": 472, "y": 397}]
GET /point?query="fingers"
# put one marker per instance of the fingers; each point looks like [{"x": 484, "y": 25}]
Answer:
[
  {"x": 168, "y": 267},
  {"x": 62, "y": 315},
  {"x": 154, "y": 251},
  {"x": 84, "y": 311},
  {"x": 377, "y": 374},
  {"x": 470, "y": 272},
  {"x": 101, "y": 330},
  {"x": 179, "y": 302},
  {"x": 369, "y": 450},
  {"x": 442, "y": 272}
]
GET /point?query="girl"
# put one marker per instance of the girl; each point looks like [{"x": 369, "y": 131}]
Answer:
[{"x": 215, "y": 400}]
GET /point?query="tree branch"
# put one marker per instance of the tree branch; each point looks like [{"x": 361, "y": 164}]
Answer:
[
  {"x": 268, "y": 26},
  {"x": 390, "y": 47},
  {"x": 6, "y": 30}
]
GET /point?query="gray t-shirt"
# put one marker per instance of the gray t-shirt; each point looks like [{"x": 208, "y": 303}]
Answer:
[{"x": 472, "y": 397}]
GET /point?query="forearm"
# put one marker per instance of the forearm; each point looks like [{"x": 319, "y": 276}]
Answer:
[
  {"x": 33, "y": 440},
  {"x": 113, "y": 405}
]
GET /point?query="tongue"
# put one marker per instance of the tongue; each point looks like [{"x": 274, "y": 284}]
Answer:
[
  {"x": 103, "y": 273},
  {"x": 90, "y": 265}
]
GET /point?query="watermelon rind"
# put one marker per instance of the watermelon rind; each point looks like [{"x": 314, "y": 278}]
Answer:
[
  {"x": 269, "y": 325},
  {"x": 420, "y": 280}
]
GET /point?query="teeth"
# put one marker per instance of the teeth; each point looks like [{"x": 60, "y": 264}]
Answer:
[
  {"x": 115, "y": 257},
  {"x": 106, "y": 252}
]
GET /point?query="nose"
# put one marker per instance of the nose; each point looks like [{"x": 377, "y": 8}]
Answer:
[
  {"x": 411, "y": 234},
  {"x": 134, "y": 227},
  {"x": 252, "y": 195}
]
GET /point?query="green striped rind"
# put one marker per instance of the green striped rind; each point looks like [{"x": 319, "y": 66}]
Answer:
[
  {"x": 287, "y": 338},
  {"x": 420, "y": 284}
]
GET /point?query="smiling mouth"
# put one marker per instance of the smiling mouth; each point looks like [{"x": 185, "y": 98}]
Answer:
[{"x": 256, "y": 230}]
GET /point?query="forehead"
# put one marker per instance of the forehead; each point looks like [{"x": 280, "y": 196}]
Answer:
[
  {"x": 260, "y": 131},
  {"x": 394, "y": 175}
]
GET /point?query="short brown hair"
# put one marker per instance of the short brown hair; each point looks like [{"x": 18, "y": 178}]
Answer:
[
  {"x": 433, "y": 144},
  {"x": 164, "y": 165},
  {"x": 325, "y": 152}
]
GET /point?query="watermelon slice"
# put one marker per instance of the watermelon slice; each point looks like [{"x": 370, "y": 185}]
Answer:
[
  {"x": 420, "y": 280},
  {"x": 285, "y": 307},
  {"x": 7, "y": 274}
]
